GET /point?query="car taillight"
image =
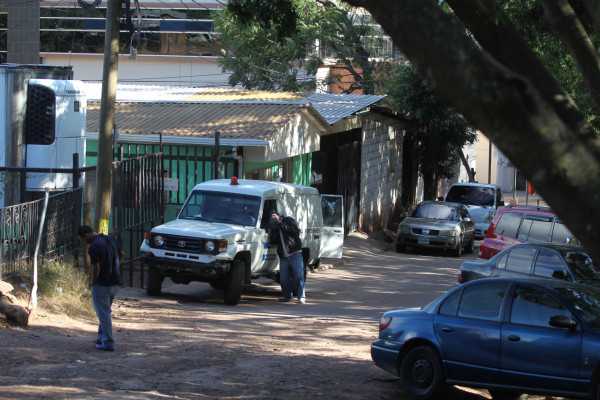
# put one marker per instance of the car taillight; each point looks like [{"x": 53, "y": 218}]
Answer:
[
  {"x": 384, "y": 322},
  {"x": 459, "y": 276}
]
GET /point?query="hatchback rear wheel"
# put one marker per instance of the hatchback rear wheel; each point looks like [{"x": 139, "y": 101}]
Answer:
[{"x": 421, "y": 374}]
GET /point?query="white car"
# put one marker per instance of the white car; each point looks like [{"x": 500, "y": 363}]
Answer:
[{"x": 481, "y": 199}]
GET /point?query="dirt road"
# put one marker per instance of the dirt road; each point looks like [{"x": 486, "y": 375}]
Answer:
[{"x": 187, "y": 345}]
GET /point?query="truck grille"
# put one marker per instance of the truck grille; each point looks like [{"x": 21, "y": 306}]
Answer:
[{"x": 182, "y": 243}]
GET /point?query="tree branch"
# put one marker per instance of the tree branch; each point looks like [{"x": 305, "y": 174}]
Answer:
[
  {"x": 562, "y": 163},
  {"x": 563, "y": 21},
  {"x": 499, "y": 37}
]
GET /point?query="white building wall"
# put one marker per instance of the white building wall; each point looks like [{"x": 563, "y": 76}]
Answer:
[
  {"x": 146, "y": 69},
  {"x": 381, "y": 173}
]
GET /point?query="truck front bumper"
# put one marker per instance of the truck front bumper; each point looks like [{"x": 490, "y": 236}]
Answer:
[{"x": 169, "y": 267}]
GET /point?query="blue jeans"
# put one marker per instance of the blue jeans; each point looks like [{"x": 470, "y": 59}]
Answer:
[
  {"x": 102, "y": 297},
  {"x": 291, "y": 275}
]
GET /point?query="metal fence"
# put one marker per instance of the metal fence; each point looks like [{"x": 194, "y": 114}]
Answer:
[
  {"x": 20, "y": 229},
  {"x": 137, "y": 204}
]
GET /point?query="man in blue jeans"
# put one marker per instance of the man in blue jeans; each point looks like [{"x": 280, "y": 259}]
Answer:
[
  {"x": 285, "y": 232},
  {"x": 106, "y": 256}
]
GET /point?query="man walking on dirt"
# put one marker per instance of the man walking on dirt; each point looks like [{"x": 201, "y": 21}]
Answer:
[
  {"x": 106, "y": 256},
  {"x": 286, "y": 234}
]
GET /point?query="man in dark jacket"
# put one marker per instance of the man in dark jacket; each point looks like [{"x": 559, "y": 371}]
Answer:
[
  {"x": 285, "y": 232},
  {"x": 106, "y": 256}
]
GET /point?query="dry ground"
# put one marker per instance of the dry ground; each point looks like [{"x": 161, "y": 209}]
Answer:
[{"x": 187, "y": 345}]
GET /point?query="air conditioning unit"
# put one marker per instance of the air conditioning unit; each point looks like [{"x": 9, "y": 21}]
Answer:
[{"x": 55, "y": 124}]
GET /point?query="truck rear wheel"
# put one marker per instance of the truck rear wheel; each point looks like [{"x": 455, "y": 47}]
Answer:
[
  {"x": 235, "y": 283},
  {"x": 154, "y": 281}
]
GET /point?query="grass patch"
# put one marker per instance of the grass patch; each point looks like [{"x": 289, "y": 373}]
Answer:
[{"x": 62, "y": 287}]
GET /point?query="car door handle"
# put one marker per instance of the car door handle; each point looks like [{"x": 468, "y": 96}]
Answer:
[
  {"x": 514, "y": 338},
  {"x": 447, "y": 329}
]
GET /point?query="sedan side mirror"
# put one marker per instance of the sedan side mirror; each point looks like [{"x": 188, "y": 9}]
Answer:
[
  {"x": 558, "y": 274},
  {"x": 562, "y": 321}
]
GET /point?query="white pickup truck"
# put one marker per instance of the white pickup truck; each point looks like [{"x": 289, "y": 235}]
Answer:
[{"x": 220, "y": 235}]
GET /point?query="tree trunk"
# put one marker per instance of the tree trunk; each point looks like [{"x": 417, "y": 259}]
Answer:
[
  {"x": 465, "y": 164},
  {"x": 558, "y": 155},
  {"x": 12, "y": 311}
]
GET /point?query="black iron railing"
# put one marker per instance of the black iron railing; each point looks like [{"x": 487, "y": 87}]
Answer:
[{"x": 20, "y": 229}]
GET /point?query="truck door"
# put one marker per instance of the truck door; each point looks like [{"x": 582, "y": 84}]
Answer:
[{"x": 332, "y": 241}]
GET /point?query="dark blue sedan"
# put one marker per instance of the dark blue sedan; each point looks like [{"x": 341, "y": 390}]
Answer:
[{"x": 511, "y": 336}]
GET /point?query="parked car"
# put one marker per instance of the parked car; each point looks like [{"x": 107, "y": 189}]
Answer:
[
  {"x": 545, "y": 260},
  {"x": 518, "y": 223},
  {"x": 437, "y": 224},
  {"x": 511, "y": 336},
  {"x": 481, "y": 200}
]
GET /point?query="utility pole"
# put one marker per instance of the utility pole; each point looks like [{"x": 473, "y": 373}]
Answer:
[{"x": 102, "y": 203}]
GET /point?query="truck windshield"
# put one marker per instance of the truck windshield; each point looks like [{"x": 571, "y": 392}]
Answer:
[
  {"x": 229, "y": 208},
  {"x": 471, "y": 195}
]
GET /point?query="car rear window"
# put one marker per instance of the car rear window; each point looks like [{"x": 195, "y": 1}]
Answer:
[{"x": 508, "y": 224}]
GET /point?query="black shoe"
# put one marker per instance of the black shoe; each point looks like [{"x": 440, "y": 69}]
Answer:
[
  {"x": 284, "y": 300},
  {"x": 105, "y": 348},
  {"x": 97, "y": 341}
]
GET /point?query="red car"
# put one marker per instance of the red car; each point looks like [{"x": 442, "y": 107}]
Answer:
[{"x": 518, "y": 223}]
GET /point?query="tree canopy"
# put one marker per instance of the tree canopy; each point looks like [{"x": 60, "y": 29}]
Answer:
[
  {"x": 279, "y": 45},
  {"x": 479, "y": 62},
  {"x": 439, "y": 132}
]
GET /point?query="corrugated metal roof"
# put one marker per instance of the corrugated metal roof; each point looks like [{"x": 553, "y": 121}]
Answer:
[
  {"x": 126, "y": 92},
  {"x": 242, "y": 116},
  {"x": 198, "y": 120},
  {"x": 335, "y": 107}
]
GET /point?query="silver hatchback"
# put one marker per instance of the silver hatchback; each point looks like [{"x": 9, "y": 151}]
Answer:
[{"x": 437, "y": 224}]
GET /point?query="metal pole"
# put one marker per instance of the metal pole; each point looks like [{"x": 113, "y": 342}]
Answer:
[
  {"x": 217, "y": 151},
  {"x": 33, "y": 295},
  {"x": 515, "y": 183}
]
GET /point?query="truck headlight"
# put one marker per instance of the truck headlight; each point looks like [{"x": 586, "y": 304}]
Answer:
[
  {"x": 159, "y": 240},
  {"x": 212, "y": 246},
  {"x": 489, "y": 217},
  {"x": 209, "y": 246}
]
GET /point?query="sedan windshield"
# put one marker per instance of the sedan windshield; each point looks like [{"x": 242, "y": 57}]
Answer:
[
  {"x": 472, "y": 195},
  {"x": 230, "y": 208},
  {"x": 436, "y": 211},
  {"x": 586, "y": 300}
]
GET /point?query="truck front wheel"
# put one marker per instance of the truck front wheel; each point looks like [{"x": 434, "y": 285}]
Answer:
[
  {"x": 154, "y": 281},
  {"x": 235, "y": 283}
]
